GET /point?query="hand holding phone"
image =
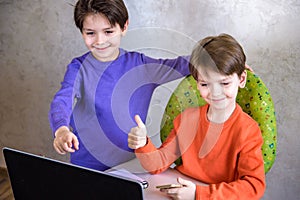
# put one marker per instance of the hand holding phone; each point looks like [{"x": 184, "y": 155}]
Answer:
[{"x": 183, "y": 188}]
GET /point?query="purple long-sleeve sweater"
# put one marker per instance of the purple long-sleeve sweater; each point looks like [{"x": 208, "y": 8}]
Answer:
[{"x": 98, "y": 100}]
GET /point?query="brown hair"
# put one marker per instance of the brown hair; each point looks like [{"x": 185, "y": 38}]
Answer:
[
  {"x": 114, "y": 10},
  {"x": 221, "y": 53}
]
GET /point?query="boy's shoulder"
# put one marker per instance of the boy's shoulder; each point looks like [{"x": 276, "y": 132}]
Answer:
[
  {"x": 244, "y": 125},
  {"x": 130, "y": 54},
  {"x": 81, "y": 58},
  {"x": 245, "y": 117}
]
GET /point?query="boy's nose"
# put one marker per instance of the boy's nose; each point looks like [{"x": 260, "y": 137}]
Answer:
[
  {"x": 216, "y": 89},
  {"x": 101, "y": 38}
]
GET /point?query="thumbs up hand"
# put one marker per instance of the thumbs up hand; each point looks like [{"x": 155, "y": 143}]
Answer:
[{"x": 138, "y": 135}]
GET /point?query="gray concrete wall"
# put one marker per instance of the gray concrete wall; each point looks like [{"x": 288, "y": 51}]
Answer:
[{"x": 38, "y": 39}]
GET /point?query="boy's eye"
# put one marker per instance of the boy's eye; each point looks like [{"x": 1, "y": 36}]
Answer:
[
  {"x": 226, "y": 83},
  {"x": 203, "y": 84},
  {"x": 90, "y": 33},
  {"x": 108, "y": 32}
]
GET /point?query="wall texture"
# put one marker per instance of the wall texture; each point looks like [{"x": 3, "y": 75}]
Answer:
[{"x": 38, "y": 39}]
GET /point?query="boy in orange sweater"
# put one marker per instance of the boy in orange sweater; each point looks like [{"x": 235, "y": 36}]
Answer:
[{"x": 219, "y": 144}]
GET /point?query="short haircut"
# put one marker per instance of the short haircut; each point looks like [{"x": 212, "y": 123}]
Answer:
[
  {"x": 114, "y": 10},
  {"x": 222, "y": 53}
]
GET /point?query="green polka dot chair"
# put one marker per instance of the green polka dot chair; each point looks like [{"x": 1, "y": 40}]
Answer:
[{"x": 254, "y": 99}]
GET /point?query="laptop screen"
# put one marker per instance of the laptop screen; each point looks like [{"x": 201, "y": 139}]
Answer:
[{"x": 36, "y": 177}]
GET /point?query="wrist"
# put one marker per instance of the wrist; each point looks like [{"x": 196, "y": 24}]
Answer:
[
  {"x": 61, "y": 129},
  {"x": 146, "y": 141}
]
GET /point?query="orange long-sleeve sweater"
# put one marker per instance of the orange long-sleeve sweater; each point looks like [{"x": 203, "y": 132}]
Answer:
[{"x": 226, "y": 156}]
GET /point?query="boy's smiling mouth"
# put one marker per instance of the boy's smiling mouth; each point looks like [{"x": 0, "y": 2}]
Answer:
[{"x": 101, "y": 48}]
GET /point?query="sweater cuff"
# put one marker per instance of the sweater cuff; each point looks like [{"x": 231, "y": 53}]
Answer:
[
  {"x": 147, "y": 148},
  {"x": 202, "y": 192}
]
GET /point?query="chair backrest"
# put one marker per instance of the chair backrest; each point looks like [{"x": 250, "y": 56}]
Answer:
[{"x": 254, "y": 99}]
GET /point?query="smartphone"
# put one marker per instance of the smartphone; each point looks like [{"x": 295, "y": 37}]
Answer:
[{"x": 169, "y": 186}]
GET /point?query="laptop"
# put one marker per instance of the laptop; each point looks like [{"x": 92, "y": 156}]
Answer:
[{"x": 36, "y": 177}]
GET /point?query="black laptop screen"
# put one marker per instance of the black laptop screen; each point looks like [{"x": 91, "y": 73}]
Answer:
[{"x": 36, "y": 177}]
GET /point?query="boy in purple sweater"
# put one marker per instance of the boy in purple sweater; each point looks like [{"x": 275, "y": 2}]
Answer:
[{"x": 103, "y": 89}]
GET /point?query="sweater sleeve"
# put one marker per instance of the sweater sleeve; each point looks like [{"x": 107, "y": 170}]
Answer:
[
  {"x": 180, "y": 138},
  {"x": 61, "y": 105},
  {"x": 250, "y": 181},
  {"x": 158, "y": 160},
  {"x": 166, "y": 70}
]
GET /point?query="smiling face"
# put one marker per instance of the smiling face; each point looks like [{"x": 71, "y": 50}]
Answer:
[
  {"x": 217, "y": 63},
  {"x": 220, "y": 91},
  {"x": 101, "y": 38}
]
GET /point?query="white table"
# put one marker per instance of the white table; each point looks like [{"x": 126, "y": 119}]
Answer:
[{"x": 166, "y": 177}]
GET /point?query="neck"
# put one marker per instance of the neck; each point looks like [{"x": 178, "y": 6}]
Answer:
[{"x": 219, "y": 115}]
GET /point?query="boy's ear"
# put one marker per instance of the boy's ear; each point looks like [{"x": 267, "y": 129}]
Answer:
[
  {"x": 243, "y": 79},
  {"x": 124, "y": 31}
]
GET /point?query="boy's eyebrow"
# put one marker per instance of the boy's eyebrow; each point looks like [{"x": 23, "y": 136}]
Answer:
[
  {"x": 224, "y": 79},
  {"x": 227, "y": 78},
  {"x": 221, "y": 80},
  {"x": 89, "y": 29},
  {"x": 200, "y": 80}
]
